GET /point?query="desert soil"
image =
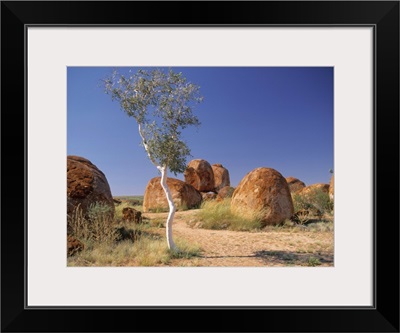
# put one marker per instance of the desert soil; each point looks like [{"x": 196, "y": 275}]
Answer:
[{"x": 270, "y": 247}]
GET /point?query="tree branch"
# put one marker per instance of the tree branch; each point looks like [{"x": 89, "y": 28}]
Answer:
[{"x": 146, "y": 147}]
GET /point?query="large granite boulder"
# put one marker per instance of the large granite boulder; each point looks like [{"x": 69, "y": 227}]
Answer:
[
  {"x": 183, "y": 195},
  {"x": 200, "y": 175},
  {"x": 86, "y": 185},
  {"x": 263, "y": 193},
  {"x": 221, "y": 177}
]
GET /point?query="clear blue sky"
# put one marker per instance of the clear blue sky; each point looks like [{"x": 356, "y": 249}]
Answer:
[{"x": 276, "y": 117}]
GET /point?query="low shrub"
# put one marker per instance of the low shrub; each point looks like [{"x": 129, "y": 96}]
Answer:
[
  {"x": 317, "y": 203},
  {"x": 99, "y": 226}
]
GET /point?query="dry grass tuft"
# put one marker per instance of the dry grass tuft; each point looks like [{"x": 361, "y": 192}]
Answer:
[
  {"x": 217, "y": 215},
  {"x": 110, "y": 242}
]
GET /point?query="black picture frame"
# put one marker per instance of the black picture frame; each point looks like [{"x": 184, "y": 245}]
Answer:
[{"x": 383, "y": 316}]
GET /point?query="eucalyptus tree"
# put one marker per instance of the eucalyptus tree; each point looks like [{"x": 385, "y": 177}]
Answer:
[{"x": 162, "y": 104}]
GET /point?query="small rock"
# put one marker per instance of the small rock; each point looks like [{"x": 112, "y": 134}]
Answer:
[
  {"x": 73, "y": 245},
  {"x": 131, "y": 215}
]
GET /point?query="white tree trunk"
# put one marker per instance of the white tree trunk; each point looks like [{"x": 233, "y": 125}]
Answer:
[{"x": 172, "y": 209}]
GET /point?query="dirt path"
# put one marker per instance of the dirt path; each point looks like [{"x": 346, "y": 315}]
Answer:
[{"x": 273, "y": 247}]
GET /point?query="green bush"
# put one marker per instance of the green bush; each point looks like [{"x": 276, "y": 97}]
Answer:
[
  {"x": 322, "y": 202},
  {"x": 316, "y": 202}
]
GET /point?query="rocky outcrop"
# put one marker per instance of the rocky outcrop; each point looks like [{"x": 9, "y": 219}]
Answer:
[
  {"x": 131, "y": 215},
  {"x": 183, "y": 195},
  {"x": 263, "y": 193},
  {"x": 86, "y": 185},
  {"x": 200, "y": 175},
  {"x": 221, "y": 177},
  {"x": 331, "y": 189},
  {"x": 310, "y": 190},
  {"x": 295, "y": 184}
]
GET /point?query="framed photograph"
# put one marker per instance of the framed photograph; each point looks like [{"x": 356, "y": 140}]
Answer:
[{"x": 291, "y": 89}]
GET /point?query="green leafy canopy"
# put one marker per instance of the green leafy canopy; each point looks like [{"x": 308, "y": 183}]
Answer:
[{"x": 162, "y": 103}]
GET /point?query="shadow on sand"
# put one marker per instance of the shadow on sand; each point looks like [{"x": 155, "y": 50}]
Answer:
[{"x": 286, "y": 258}]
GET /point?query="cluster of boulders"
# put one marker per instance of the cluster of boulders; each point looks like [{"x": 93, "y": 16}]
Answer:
[
  {"x": 202, "y": 181},
  {"x": 263, "y": 193}
]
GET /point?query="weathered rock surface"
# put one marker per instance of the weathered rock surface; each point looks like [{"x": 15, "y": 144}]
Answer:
[
  {"x": 225, "y": 192},
  {"x": 314, "y": 188},
  {"x": 221, "y": 176},
  {"x": 200, "y": 175},
  {"x": 295, "y": 184},
  {"x": 86, "y": 185},
  {"x": 263, "y": 192},
  {"x": 331, "y": 189},
  {"x": 183, "y": 195},
  {"x": 131, "y": 215}
]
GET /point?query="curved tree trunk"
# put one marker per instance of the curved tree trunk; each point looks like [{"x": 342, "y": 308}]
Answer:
[{"x": 172, "y": 209}]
